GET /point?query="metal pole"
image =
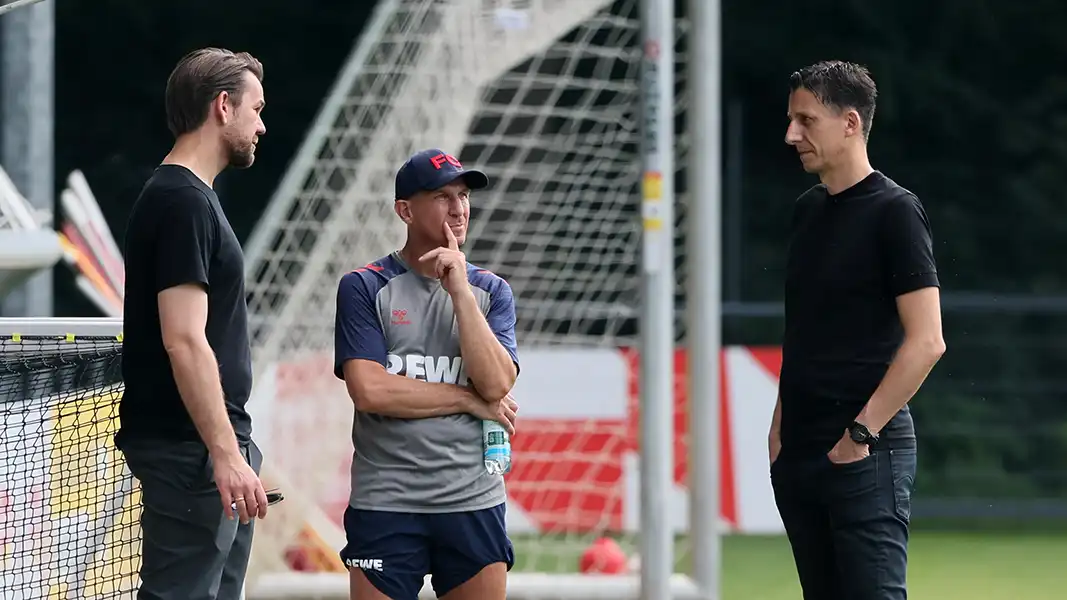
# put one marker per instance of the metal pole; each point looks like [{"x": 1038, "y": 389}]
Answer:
[
  {"x": 703, "y": 294},
  {"x": 27, "y": 39},
  {"x": 657, "y": 318}
]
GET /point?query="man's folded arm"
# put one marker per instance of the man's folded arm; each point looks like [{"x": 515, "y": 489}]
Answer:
[
  {"x": 375, "y": 390},
  {"x": 360, "y": 356}
]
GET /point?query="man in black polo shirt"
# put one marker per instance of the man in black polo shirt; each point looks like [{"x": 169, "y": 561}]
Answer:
[
  {"x": 186, "y": 360},
  {"x": 862, "y": 332}
]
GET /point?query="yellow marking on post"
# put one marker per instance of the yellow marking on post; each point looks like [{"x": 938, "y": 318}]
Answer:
[{"x": 652, "y": 186}]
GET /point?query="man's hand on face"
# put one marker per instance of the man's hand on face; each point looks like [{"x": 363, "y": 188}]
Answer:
[{"x": 450, "y": 264}]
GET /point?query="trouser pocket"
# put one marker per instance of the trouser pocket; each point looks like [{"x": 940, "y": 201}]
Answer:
[{"x": 903, "y": 464}]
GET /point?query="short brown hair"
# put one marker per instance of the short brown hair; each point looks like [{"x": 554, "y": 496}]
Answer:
[
  {"x": 199, "y": 78},
  {"x": 840, "y": 85}
]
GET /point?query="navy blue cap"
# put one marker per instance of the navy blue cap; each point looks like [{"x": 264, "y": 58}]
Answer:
[{"x": 433, "y": 169}]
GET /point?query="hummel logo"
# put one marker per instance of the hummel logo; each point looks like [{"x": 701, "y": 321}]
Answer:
[{"x": 400, "y": 317}]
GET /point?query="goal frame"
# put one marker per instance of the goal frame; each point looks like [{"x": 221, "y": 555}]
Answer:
[
  {"x": 702, "y": 308},
  {"x": 78, "y": 326}
]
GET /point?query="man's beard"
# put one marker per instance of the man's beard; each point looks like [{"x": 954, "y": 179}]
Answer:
[{"x": 241, "y": 154}]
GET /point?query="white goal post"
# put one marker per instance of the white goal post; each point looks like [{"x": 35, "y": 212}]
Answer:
[{"x": 545, "y": 97}]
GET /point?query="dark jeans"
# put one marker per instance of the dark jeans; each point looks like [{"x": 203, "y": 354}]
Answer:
[
  {"x": 848, "y": 524},
  {"x": 190, "y": 550}
]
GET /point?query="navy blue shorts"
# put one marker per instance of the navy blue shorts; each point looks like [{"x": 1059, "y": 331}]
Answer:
[{"x": 397, "y": 550}]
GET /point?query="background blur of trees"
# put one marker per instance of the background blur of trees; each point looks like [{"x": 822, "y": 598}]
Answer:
[{"x": 972, "y": 117}]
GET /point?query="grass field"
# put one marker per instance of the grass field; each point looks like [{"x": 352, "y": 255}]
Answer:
[{"x": 944, "y": 565}]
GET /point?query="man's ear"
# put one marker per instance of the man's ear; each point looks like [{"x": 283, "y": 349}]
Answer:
[
  {"x": 853, "y": 123},
  {"x": 402, "y": 210},
  {"x": 222, "y": 107}
]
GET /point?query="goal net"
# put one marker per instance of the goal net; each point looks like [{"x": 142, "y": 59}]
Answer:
[
  {"x": 543, "y": 95},
  {"x": 68, "y": 506}
]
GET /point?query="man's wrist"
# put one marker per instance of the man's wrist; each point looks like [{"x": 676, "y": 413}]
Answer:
[
  {"x": 864, "y": 419},
  {"x": 223, "y": 454},
  {"x": 468, "y": 404},
  {"x": 470, "y": 396},
  {"x": 222, "y": 450},
  {"x": 473, "y": 404},
  {"x": 463, "y": 294}
]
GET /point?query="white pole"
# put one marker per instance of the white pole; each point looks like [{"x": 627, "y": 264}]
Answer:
[
  {"x": 703, "y": 302},
  {"x": 657, "y": 316}
]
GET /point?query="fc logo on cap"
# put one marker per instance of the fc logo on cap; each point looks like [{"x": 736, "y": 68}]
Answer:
[{"x": 439, "y": 161}]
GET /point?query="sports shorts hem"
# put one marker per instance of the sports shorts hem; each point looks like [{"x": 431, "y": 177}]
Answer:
[
  {"x": 434, "y": 510},
  {"x": 396, "y": 550}
]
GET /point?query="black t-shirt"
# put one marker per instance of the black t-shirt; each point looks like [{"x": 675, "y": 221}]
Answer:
[
  {"x": 178, "y": 234},
  {"x": 851, "y": 254}
]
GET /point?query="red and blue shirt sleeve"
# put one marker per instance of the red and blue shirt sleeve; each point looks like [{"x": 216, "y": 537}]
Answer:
[{"x": 358, "y": 333}]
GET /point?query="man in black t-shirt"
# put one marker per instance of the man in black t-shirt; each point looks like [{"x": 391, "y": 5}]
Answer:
[
  {"x": 862, "y": 332},
  {"x": 186, "y": 360}
]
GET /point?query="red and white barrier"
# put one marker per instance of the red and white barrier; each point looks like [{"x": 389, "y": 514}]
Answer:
[{"x": 575, "y": 454}]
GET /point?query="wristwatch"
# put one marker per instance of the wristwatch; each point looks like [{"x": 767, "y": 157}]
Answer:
[{"x": 861, "y": 434}]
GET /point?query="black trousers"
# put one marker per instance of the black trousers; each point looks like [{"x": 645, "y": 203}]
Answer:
[
  {"x": 189, "y": 549},
  {"x": 848, "y": 524}
]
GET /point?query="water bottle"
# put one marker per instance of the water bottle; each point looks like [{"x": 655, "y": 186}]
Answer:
[{"x": 497, "y": 448}]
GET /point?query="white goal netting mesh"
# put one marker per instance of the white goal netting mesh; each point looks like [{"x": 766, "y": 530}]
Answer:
[{"x": 543, "y": 95}]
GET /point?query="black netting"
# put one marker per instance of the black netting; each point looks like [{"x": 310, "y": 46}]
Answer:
[{"x": 68, "y": 505}]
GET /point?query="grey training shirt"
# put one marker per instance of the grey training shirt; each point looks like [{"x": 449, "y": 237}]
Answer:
[{"x": 404, "y": 321}]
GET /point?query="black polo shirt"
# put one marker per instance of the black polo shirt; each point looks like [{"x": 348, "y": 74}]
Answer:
[
  {"x": 850, "y": 255},
  {"x": 177, "y": 234}
]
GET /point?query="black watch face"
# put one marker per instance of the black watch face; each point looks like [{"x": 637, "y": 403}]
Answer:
[{"x": 860, "y": 434}]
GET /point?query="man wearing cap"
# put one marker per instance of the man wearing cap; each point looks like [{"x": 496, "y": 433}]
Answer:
[{"x": 425, "y": 343}]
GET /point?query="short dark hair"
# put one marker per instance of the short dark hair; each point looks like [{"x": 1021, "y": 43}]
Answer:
[
  {"x": 840, "y": 85},
  {"x": 199, "y": 78}
]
